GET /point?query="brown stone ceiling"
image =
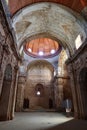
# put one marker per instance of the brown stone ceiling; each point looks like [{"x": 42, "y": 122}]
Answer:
[{"x": 76, "y": 5}]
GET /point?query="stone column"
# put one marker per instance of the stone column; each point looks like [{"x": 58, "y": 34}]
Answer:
[
  {"x": 14, "y": 90},
  {"x": 60, "y": 91},
  {"x": 1, "y": 80},
  {"x": 73, "y": 88},
  {"x": 20, "y": 93},
  {"x": 55, "y": 91},
  {"x": 2, "y": 42}
]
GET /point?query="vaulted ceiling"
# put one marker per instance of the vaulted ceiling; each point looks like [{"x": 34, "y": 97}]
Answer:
[
  {"x": 57, "y": 20},
  {"x": 50, "y": 20},
  {"x": 76, "y": 5}
]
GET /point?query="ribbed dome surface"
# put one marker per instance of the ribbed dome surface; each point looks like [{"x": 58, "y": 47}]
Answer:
[{"x": 42, "y": 47}]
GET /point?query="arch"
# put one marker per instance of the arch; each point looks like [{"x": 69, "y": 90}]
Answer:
[
  {"x": 5, "y": 105},
  {"x": 48, "y": 34},
  {"x": 53, "y": 22},
  {"x": 83, "y": 89},
  {"x": 39, "y": 89},
  {"x": 38, "y": 63},
  {"x": 69, "y": 3}
]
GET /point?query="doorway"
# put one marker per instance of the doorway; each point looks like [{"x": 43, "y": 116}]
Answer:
[
  {"x": 50, "y": 103},
  {"x": 26, "y": 103}
]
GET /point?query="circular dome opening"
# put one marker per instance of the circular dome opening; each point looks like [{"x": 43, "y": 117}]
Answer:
[{"x": 42, "y": 47}]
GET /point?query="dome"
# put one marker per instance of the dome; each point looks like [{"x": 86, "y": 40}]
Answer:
[{"x": 42, "y": 47}]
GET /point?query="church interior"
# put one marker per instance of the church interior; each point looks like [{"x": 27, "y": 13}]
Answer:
[{"x": 43, "y": 64}]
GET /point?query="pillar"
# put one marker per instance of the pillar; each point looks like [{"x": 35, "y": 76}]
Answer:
[
  {"x": 20, "y": 93},
  {"x": 73, "y": 89},
  {"x": 14, "y": 90}
]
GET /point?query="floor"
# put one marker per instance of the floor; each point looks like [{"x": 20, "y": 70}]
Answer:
[{"x": 43, "y": 121}]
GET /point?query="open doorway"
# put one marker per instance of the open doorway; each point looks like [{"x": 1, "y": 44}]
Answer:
[
  {"x": 50, "y": 103},
  {"x": 26, "y": 103}
]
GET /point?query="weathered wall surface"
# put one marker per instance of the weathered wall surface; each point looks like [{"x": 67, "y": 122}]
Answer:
[
  {"x": 39, "y": 75},
  {"x": 8, "y": 57},
  {"x": 39, "y": 78},
  {"x": 77, "y": 67},
  {"x": 62, "y": 82}
]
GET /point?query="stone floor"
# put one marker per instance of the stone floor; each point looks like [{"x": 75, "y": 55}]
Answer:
[{"x": 43, "y": 121}]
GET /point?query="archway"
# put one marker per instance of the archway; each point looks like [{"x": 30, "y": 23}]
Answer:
[
  {"x": 51, "y": 13},
  {"x": 5, "y": 94},
  {"x": 38, "y": 84},
  {"x": 83, "y": 89},
  {"x": 26, "y": 103}
]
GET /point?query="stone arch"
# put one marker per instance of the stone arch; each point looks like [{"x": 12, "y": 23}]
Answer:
[
  {"x": 49, "y": 34},
  {"x": 5, "y": 106},
  {"x": 39, "y": 79},
  {"x": 53, "y": 21},
  {"x": 83, "y": 89},
  {"x": 41, "y": 63}
]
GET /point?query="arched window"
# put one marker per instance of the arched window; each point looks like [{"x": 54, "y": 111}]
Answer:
[{"x": 39, "y": 90}]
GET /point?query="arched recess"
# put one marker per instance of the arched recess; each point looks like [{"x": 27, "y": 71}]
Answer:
[
  {"x": 83, "y": 89},
  {"x": 38, "y": 88},
  {"x": 5, "y": 106}
]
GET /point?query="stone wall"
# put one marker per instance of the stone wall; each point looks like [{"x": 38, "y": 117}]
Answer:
[
  {"x": 77, "y": 66},
  {"x": 62, "y": 82},
  {"x": 41, "y": 100},
  {"x": 40, "y": 76},
  {"x": 8, "y": 57},
  {"x": 55, "y": 88}
]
